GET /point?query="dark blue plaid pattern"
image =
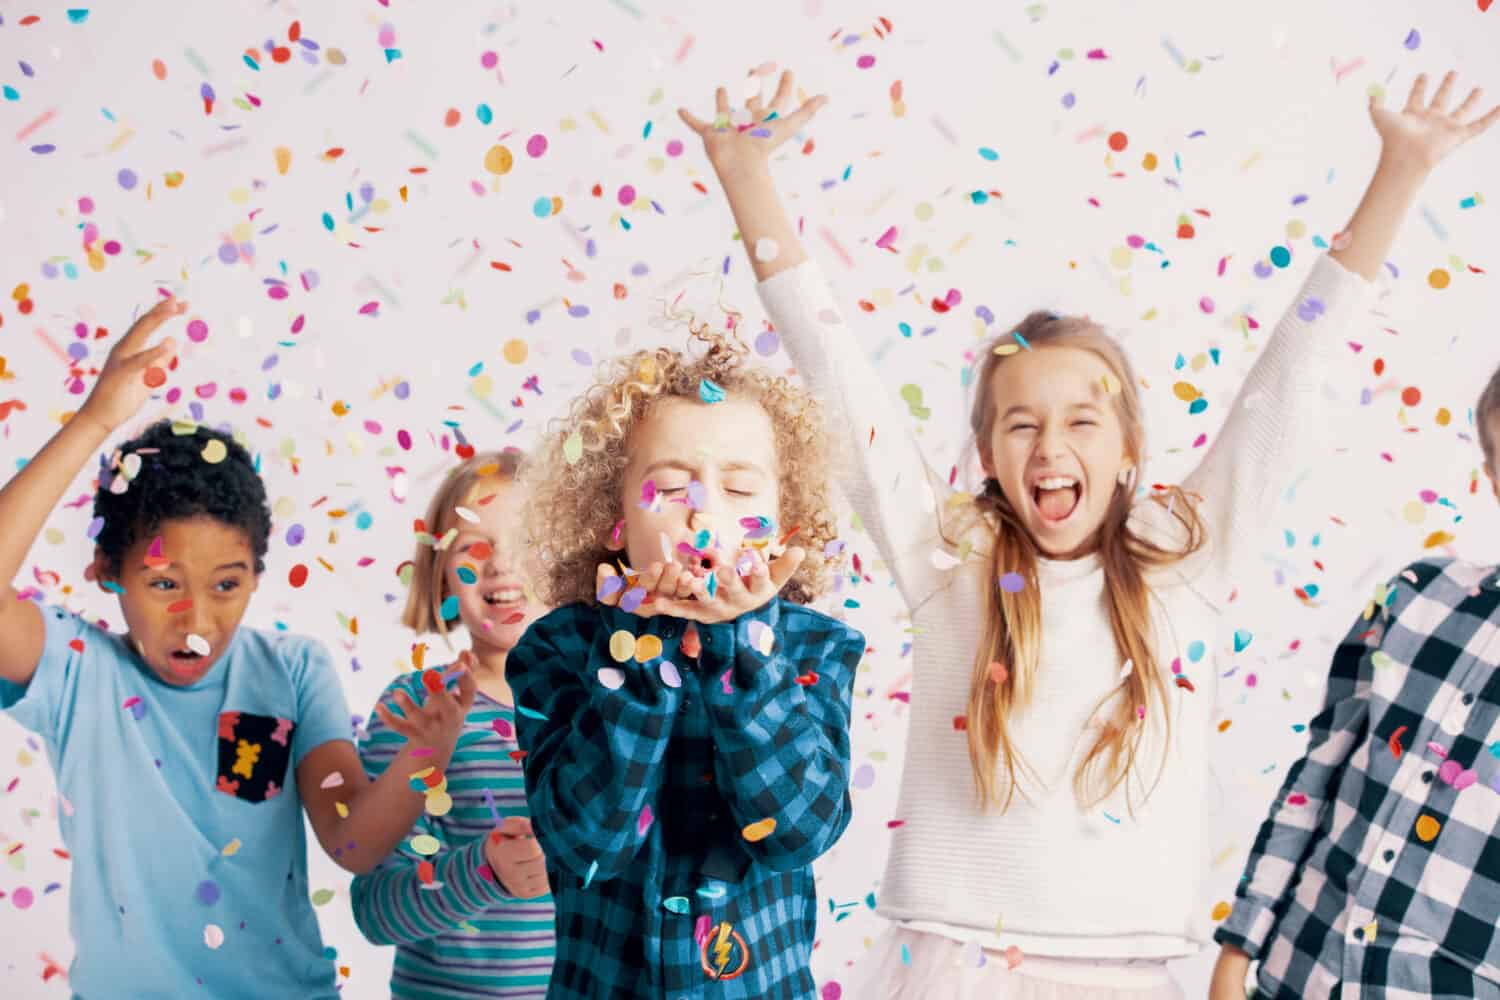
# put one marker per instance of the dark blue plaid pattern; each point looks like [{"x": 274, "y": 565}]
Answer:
[
  {"x": 1377, "y": 874},
  {"x": 642, "y": 777}
]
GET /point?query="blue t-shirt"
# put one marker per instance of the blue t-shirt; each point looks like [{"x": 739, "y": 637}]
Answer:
[{"x": 181, "y": 811}]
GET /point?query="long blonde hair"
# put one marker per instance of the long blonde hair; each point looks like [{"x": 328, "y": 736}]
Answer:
[
  {"x": 1013, "y": 620},
  {"x": 424, "y": 601}
]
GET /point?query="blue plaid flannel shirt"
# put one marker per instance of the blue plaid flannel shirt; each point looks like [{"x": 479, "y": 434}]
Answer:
[
  {"x": 643, "y": 773},
  {"x": 1377, "y": 874}
]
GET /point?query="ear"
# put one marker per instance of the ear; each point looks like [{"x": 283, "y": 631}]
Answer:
[
  {"x": 987, "y": 463},
  {"x": 98, "y": 571}
]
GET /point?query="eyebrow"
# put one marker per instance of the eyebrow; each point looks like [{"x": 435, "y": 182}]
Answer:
[
  {"x": 1023, "y": 408},
  {"x": 677, "y": 463},
  {"x": 234, "y": 565}
]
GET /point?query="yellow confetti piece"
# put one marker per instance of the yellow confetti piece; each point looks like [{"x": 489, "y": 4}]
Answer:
[
  {"x": 647, "y": 648},
  {"x": 1427, "y": 828},
  {"x": 515, "y": 351},
  {"x": 426, "y": 844},
  {"x": 439, "y": 804},
  {"x": 759, "y": 830},
  {"x": 498, "y": 160},
  {"x": 1437, "y": 538},
  {"x": 283, "y": 160},
  {"x": 1438, "y": 278},
  {"x": 232, "y": 848},
  {"x": 215, "y": 451},
  {"x": 1185, "y": 391},
  {"x": 341, "y": 809},
  {"x": 322, "y": 897},
  {"x": 1220, "y": 911},
  {"x": 622, "y": 646}
]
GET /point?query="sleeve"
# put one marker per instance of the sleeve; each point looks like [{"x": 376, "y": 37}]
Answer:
[
  {"x": 595, "y": 734},
  {"x": 778, "y": 699},
  {"x": 883, "y": 473},
  {"x": 391, "y": 904},
  {"x": 1277, "y": 426},
  {"x": 72, "y": 652},
  {"x": 1289, "y": 833},
  {"x": 322, "y": 712}
]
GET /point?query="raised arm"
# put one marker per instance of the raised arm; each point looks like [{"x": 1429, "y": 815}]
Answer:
[
  {"x": 594, "y": 753},
  {"x": 33, "y": 493},
  {"x": 780, "y": 725},
  {"x": 882, "y": 473},
  {"x": 1277, "y": 425}
]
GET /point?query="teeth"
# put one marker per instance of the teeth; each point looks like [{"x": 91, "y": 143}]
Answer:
[
  {"x": 1056, "y": 482},
  {"x": 506, "y": 596}
]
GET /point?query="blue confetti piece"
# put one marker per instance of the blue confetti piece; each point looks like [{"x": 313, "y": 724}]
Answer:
[
  {"x": 676, "y": 904},
  {"x": 979, "y": 197},
  {"x": 709, "y": 392},
  {"x": 1195, "y": 650},
  {"x": 484, "y": 114},
  {"x": 1021, "y": 340},
  {"x": 11, "y": 94},
  {"x": 328, "y": 222},
  {"x": 531, "y": 713},
  {"x": 1242, "y": 639},
  {"x": 712, "y": 891},
  {"x": 78, "y": 15},
  {"x": 466, "y": 575},
  {"x": 112, "y": 587},
  {"x": 391, "y": 55},
  {"x": 450, "y": 607},
  {"x": 593, "y": 867},
  {"x": 712, "y": 584},
  {"x": 988, "y": 153}
]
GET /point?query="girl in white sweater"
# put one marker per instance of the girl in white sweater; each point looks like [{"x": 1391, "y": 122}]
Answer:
[{"x": 1065, "y": 620}]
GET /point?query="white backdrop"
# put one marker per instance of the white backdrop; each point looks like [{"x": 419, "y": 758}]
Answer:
[{"x": 408, "y": 262}]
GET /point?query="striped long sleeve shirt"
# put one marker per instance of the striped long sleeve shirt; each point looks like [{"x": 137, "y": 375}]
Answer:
[{"x": 457, "y": 932}]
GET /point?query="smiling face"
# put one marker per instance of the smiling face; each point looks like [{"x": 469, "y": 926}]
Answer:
[
  {"x": 728, "y": 449},
  {"x": 1056, "y": 444},
  {"x": 183, "y": 600},
  {"x": 484, "y": 566}
]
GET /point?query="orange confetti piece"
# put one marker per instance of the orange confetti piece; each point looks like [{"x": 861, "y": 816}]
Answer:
[
  {"x": 759, "y": 830},
  {"x": 1427, "y": 828}
]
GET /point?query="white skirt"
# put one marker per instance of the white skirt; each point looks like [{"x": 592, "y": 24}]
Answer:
[{"x": 934, "y": 967}]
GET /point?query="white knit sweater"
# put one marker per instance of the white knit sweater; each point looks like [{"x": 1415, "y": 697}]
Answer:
[{"x": 1047, "y": 875}]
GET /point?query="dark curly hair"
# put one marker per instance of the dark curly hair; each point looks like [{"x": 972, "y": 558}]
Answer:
[{"x": 175, "y": 481}]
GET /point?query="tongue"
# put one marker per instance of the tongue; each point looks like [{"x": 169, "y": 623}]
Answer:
[{"x": 1057, "y": 504}]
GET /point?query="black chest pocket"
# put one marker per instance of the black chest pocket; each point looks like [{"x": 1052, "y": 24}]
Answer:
[{"x": 254, "y": 752}]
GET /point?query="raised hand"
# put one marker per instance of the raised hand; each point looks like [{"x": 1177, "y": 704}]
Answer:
[
  {"x": 731, "y": 146},
  {"x": 1422, "y": 133},
  {"x": 133, "y": 371},
  {"x": 677, "y": 590},
  {"x": 437, "y": 722}
]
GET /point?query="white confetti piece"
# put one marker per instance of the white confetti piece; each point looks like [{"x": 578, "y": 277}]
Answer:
[
  {"x": 333, "y": 780},
  {"x": 213, "y": 936},
  {"x": 198, "y": 644},
  {"x": 612, "y": 677}
]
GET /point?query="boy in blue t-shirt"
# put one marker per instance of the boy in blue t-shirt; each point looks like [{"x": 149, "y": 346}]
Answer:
[{"x": 189, "y": 747}]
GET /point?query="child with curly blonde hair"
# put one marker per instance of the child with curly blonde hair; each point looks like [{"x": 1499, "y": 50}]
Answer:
[{"x": 685, "y": 715}]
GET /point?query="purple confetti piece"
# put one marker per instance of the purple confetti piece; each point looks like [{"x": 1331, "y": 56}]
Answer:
[{"x": 632, "y": 599}]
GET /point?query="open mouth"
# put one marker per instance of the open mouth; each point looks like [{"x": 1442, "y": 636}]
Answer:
[
  {"x": 186, "y": 661},
  {"x": 505, "y": 598},
  {"x": 1056, "y": 497}
]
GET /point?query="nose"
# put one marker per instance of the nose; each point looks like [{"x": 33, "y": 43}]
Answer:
[
  {"x": 196, "y": 618},
  {"x": 1049, "y": 443}
]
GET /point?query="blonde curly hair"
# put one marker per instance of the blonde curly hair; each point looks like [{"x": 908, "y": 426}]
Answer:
[{"x": 574, "y": 505}]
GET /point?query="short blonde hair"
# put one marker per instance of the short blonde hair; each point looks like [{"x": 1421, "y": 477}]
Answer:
[
  {"x": 424, "y": 600},
  {"x": 576, "y": 496}
]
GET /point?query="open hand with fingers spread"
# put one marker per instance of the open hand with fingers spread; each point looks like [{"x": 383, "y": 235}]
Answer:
[
  {"x": 730, "y": 147},
  {"x": 439, "y": 720},
  {"x": 681, "y": 591},
  {"x": 133, "y": 371},
  {"x": 1421, "y": 134}
]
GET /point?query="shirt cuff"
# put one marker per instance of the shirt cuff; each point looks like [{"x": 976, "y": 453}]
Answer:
[{"x": 1248, "y": 925}]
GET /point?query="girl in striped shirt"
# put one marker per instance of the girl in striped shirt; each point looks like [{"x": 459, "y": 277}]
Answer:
[{"x": 465, "y": 898}]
